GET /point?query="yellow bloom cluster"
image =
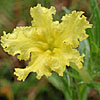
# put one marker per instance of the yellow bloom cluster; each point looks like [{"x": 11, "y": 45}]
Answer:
[{"x": 49, "y": 44}]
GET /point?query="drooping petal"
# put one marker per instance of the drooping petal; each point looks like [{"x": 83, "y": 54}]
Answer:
[
  {"x": 40, "y": 65},
  {"x": 20, "y": 42},
  {"x": 37, "y": 64},
  {"x": 73, "y": 28},
  {"x": 67, "y": 54}
]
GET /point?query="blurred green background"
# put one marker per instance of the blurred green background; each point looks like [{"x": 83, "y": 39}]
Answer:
[{"x": 16, "y": 13}]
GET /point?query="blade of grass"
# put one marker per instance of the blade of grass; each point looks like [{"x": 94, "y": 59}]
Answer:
[
  {"x": 96, "y": 21},
  {"x": 83, "y": 92}
]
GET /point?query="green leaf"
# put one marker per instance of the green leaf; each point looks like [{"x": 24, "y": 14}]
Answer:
[
  {"x": 84, "y": 48},
  {"x": 61, "y": 83},
  {"x": 73, "y": 73},
  {"x": 57, "y": 82},
  {"x": 94, "y": 48}
]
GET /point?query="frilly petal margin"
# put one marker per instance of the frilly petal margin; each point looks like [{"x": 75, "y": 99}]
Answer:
[
  {"x": 74, "y": 28},
  {"x": 42, "y": 17},
  {"x": 19, "y": 42},
  {"x": 22, "y": 73}
]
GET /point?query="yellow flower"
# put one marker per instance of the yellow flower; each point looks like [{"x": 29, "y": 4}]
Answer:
[{"x": 49, "y": 44}]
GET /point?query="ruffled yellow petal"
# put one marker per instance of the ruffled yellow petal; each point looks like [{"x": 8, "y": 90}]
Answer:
[
  {"x": 37, "y": 64},
  {"x": 42, "y": 17},
  {"x": 43, "y": 20},
  {"x": 22, "y": 73},
  {"x": 67, "y": 54},
  {"x": 40, "y": 65},
  {"x": 73, "y": 28},
  {"x": 20, "y": 42}
]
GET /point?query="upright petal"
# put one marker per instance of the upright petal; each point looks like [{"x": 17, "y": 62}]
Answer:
[
  {"x": 42, "y": 17},
  {"x": 73, "y": 28}
]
